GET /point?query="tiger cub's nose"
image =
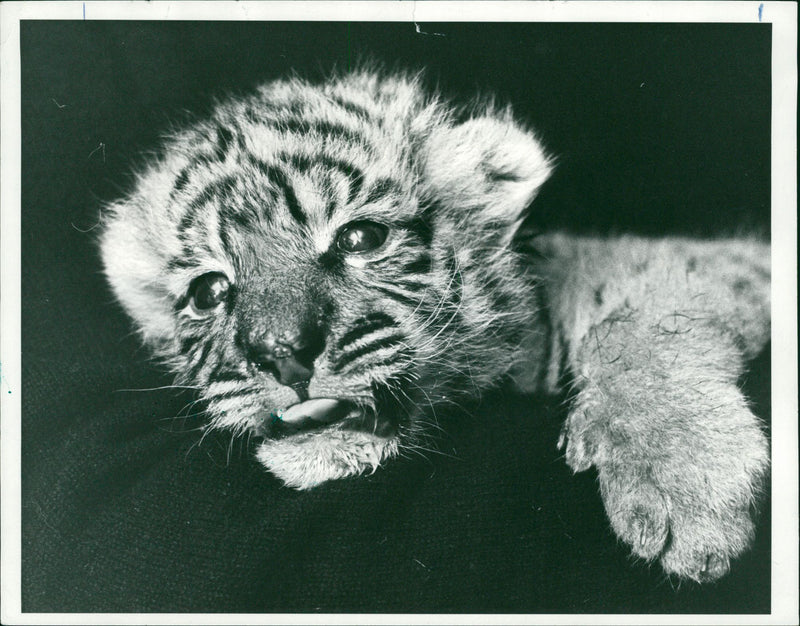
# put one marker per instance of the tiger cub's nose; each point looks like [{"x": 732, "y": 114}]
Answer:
[{"x": 290, "y": 359}]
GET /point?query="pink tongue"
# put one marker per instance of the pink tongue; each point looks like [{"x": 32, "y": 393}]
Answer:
[{"x": 318, "y": 409}]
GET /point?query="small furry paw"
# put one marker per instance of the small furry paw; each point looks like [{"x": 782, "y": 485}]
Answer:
[
  {"x": 690, "y": 540},
  {"x": 677, "y": 486}
]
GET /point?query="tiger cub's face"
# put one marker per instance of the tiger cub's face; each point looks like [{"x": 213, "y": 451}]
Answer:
[{"x": 327, "y": 263}]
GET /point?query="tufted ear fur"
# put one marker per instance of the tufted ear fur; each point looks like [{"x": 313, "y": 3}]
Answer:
[{"x": 485, "y": 171}]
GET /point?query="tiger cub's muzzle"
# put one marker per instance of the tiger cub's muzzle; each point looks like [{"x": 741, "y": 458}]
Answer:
[{"x": 291, "y": 357}]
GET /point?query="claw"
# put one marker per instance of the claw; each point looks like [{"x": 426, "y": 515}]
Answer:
[
  {"x": 562, "y": 437},
  {"x": 713, "y": 567},
  {"x": 643, "y": 533}
]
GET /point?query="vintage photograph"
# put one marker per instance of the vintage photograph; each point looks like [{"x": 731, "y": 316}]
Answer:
[{"x": 377, "y": 317}]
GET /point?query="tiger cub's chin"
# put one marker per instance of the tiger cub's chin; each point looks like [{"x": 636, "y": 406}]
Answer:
[
  {"x": 306, "y": 460},
  {"x": 322, "y": 439}
]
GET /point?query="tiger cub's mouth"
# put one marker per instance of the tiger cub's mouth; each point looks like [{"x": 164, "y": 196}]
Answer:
[{"x": 318, "y": 413}]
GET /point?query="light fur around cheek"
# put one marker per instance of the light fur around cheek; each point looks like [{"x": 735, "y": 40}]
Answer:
[{"x": 135, "y": 271}]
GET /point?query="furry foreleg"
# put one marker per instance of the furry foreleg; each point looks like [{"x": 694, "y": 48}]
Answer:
[{"x": 680, "y": 457}]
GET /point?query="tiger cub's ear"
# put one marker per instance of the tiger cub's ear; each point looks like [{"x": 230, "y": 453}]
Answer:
[{"x": 486, "y": 170}]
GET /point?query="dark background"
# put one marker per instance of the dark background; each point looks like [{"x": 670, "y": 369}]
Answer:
[{"x": 659, "y": 129}]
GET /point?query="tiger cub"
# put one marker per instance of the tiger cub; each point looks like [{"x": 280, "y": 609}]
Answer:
[{"x": 327, "y": 263}]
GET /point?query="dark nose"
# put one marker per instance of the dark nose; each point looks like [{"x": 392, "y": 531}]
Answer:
[{"x": 289, "y": 359}]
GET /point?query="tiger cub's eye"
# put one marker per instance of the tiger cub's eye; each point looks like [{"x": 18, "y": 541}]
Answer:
[
  {"x": 208, "y": 291},
  {"x": 358, "y": 237}
]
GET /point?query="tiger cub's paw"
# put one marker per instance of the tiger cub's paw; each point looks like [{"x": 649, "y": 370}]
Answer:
[
  {"x": 680, "y": 491},
  {"x": 690, "y": 539}
]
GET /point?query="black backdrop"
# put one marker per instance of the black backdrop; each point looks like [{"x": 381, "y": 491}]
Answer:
[{"x": 659, "y": 129}]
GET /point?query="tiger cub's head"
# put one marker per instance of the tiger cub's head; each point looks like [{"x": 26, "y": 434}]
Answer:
[{"x": 327, "y": 263}]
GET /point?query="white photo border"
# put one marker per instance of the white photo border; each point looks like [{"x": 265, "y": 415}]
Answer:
[{"x": 782, "y": 16}]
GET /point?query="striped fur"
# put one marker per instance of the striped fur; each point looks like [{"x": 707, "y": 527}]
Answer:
[{"x": 258, "y": 193}]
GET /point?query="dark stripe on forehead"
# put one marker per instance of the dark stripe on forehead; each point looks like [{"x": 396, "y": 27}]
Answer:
[
  {"x": 323, "y": 127},
  {"x": 330, "y": 208},
  {"x": 224, "y": 139},
  {"x": 352, "y": 107},
  {"x": 253, "y": 115},
  {"x": 189, "y": 252},
  {"x": 181, "y": 263},
  {"x": 183, "y": 176},
  {"x": 305, "y": 162},
  {"x": 216, "y": 190},
  {"x": 382, "y": 188},
  {"x": 263, "y": 167},
  {"x": 292, "y": 203},
  {"x": 230, "y": 222},
  {"x": 354, "y": 174},
  {"x": 280, "y": 179},
  {"x": 240, "y": 216},
  {"x": 180, "y": 182},
  {"x": 356, "y": 179}
]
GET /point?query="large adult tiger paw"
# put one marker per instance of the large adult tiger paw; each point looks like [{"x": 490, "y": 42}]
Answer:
[{"x": 678, "y": 480}]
